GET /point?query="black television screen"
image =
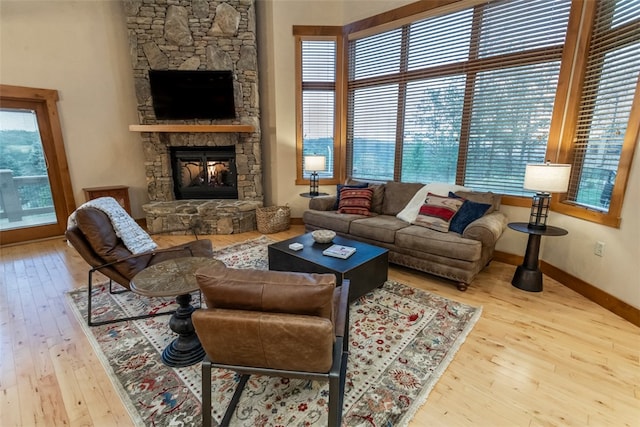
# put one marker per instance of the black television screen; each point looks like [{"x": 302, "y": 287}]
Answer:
[{"x": 186, "y": 94}]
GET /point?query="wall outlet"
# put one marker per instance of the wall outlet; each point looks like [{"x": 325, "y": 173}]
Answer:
[{"x": 599, "y": 249}]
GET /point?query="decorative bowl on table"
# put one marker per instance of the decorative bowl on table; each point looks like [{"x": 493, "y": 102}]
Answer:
[{"x": 323, "y": 236}]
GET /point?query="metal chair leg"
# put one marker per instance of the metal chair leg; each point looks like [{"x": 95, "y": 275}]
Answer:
[
  {"x": 90, "y": 321},
  {"x": 206, "y": 392},
  {"x": 234, "y": 400}
]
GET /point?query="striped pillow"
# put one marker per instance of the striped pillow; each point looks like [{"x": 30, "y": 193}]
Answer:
[
  {"x": 355, "y": 201},
  {"x": 437, "y": 211}
]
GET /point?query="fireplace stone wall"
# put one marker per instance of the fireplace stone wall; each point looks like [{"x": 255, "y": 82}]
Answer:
[{"x": 197, "y": 35}]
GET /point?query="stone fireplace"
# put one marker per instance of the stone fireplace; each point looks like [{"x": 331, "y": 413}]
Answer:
[{"x": 198, "y": 35}]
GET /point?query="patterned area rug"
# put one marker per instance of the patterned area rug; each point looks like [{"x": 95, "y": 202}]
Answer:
[{"x": 402, "y": 340}]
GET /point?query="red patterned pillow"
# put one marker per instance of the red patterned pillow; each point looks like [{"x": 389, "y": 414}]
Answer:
[
  {"x": 355, "y": 201},
  {"x": 437, "y": 211}
]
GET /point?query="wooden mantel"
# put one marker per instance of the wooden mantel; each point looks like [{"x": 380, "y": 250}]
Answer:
[{"x": 191, "y": 128}]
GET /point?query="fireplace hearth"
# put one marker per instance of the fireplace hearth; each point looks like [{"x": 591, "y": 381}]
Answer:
[{"x": 204, "y": 172}]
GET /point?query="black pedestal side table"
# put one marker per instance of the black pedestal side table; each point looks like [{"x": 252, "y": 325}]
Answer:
[
  {"x": 528, "y": 276},
  {"x": 176, "y": 278}
]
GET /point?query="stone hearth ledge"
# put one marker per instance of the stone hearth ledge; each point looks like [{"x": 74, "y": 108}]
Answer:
[{"x": 205, "y": 216}]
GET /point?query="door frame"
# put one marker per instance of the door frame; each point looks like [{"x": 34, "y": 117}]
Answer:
[{"x": 44, "y": 103}]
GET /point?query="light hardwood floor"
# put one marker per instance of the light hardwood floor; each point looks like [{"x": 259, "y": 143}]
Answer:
[{"x": 533, "y": 359}]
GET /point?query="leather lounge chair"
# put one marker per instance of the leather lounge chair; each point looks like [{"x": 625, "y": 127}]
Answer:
[
  {"x": 94, "y": 237},
  {"x": 292, "y": 325}
]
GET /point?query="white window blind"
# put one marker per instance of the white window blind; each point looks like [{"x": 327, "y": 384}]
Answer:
[
  {"x": 373, "y": 132},
  {"x": 318, "y": 102},
  {"x": 472, "y": 97},
  {"x": 611, "y": 79},
  {"x": 433, "y": 116}
]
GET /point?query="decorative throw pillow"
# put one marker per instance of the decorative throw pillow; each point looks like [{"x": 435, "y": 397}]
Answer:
[
  {"x": 378, "y": 193},
  {"x": 355, "y": 201},
  {"x": 410, "y": 211},
  {"x": 339, "y": 188},
  {"x": 468, "y": 212},
  {"x": 437, "y": 211}
]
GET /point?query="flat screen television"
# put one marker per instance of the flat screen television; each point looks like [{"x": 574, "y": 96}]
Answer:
[{"x": 188, "y": 94}]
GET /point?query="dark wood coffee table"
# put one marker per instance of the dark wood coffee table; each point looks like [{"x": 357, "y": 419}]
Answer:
[
  {"x": 367, "y": 268},
  {"x": 176, "y": 278}
]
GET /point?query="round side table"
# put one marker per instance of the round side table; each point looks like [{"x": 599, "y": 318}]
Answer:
[
  {"x": 528, "y": 276},
  {"x": 176, "y": 277}
]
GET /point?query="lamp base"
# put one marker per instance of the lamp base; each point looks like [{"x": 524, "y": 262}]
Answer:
[
  {"x": 539, "y": 211},
  {"x": 313, "y": 184}
]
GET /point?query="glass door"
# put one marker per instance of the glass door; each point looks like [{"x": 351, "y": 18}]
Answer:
[
  {"x": 36, "y": 196},
  {"x": 25, "y": 191}
]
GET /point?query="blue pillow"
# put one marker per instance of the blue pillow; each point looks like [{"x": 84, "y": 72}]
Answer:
[
  {"x": 468, "y": 212},
  {"x": 341, "y": 186}
]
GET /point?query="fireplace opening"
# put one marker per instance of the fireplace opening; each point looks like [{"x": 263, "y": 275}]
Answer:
[{"x": 204, "y": 172}]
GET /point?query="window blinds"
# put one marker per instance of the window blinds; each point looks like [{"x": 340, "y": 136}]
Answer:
[
  {"x": 318, "y": 101},
  {"x": 610, "y": 81},
  {"x": 464, "y": 97}
]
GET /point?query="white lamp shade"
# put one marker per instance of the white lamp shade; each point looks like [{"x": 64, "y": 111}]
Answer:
[
  {"x": 547, "y": 177},
  {"x": 314, "y": 163}
]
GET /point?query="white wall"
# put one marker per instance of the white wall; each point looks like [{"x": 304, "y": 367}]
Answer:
[
  {"x": 80, "y": 48},
  {"x": 615, "y": 272}
]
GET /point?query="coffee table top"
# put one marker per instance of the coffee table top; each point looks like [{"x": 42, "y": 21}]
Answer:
[
  {"x": 171, "y": 277},
  {"x": 312, "y": 251}
]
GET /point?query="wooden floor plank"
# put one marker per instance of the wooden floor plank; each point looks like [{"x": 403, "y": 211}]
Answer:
[{"x": 533, "y": 359}]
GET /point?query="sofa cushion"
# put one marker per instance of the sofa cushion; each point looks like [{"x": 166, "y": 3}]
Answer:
[
  {"x": 397, "y": 195},
  {"x": 331, "y": 220},
  {"x": 482, "y": 197},
  {"x": 355, "y": 201},
  {"x": 381, "y": 228},
  {"x": 468, "y": 212},
  {"x": 378, "y": 197},
  {"x": 323, "y": 203},
  {"x": 437, "y": 212},
  {"x": 450, "y": 245}
]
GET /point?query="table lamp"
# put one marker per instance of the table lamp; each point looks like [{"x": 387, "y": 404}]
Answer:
[
  {"x": 314, "y": 164},
  {"x": 544, "y": 179}
]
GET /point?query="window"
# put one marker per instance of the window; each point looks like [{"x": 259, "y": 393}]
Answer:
[
  {"x": 469, "y": 94},
  {"x": 601, "y": 144},
  {"x": 465, "y": 97},
  {"x": 36, "y": 197},
  {"x": 317, "y": 116}
]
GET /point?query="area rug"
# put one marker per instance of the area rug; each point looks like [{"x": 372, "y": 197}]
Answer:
[{"x": 401, "y": 341}]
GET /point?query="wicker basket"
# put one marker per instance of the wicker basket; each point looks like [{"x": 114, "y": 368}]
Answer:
[{"x": 273, "y": 219}]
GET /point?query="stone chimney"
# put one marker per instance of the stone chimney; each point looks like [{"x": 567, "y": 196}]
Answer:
[{"x": 197, "y": 35}]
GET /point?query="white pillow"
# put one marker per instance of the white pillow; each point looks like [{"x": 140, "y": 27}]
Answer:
[{"x": 411, "y": 210}]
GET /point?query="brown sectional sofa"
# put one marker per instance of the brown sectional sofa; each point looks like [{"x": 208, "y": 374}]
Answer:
[{"x": 454, "y": 256}]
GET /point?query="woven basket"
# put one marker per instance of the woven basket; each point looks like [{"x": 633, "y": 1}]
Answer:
[{"x": 273, "y": 219}]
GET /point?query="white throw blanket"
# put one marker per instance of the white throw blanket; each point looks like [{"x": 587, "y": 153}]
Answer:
[{"x": 132, "y": 235}]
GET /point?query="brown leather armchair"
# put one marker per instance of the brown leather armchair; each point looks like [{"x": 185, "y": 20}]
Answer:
[
  {"x": 95, "y": 240},
  {"x": 293, "y": 325}
]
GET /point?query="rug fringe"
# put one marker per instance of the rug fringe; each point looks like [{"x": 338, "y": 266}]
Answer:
[
  {"x": 124, "y": 397},
  {"x": 422, "y": 398}
]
